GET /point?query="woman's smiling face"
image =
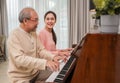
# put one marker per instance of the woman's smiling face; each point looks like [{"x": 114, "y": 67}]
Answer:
[{"x": 50, "y": 20}]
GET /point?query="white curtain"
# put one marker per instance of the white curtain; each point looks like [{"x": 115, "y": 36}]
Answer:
[
  {"x": 41, "y": 6},
  {"x": 3, "y": 18},
  {"x": 79, "y": 20}
]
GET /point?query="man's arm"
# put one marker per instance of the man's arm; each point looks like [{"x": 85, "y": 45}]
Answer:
[
  {"x": 16, "y": 53},
  {"x": 42, "y": 52}
]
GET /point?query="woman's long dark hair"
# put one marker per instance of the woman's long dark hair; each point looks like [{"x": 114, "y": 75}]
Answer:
[{"x": 53, "y": 32}]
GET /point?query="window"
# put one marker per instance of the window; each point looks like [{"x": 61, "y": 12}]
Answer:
[{"x": 41, "y": 6}]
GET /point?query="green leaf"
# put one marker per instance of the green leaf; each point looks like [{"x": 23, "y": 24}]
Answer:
[
  {"x": 100, "y": 4},
  {"x": 111, "y": 12}
]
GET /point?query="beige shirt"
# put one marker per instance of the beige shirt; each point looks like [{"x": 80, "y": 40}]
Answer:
[{"x": 26, "y": 55}]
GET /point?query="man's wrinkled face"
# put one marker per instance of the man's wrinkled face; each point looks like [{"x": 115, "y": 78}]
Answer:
[{"x": 33, "y": 21}]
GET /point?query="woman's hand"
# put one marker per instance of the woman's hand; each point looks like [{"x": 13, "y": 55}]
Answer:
[
  {"x": 68, "y": 49},
  {"x": 65, "y": 53}
]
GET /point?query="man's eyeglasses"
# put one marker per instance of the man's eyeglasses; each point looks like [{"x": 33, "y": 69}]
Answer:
[{"x": 33, "y": 19}]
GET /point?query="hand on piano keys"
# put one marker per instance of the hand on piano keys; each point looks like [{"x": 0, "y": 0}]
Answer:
[
  {"x": 65, "y": 52},
  {"x": 54, "y": 65},
  {"x": 64, "y": 68},
  {"x": 60, "y": 58}
]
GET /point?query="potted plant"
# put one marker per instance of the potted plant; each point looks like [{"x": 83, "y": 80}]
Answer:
[{"x": 109, "y": 9}]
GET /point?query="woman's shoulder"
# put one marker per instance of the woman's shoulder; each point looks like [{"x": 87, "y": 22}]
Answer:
[{"x": 42, "y": 31}]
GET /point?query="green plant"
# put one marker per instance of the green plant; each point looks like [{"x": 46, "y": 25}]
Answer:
[{"x": 107, "y": 7}]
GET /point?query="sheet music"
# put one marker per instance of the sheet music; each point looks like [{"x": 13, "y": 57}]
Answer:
[{"x": 54, "y": 74}]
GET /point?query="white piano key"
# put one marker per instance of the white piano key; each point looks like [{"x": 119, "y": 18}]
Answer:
[{"x": 54, "y": 74}]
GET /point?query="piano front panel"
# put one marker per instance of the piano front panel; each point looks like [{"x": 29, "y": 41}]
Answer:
[{"x": 99, "y": 60}]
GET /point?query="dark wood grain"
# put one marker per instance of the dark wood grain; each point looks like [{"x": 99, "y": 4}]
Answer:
[{"x": 99, "y": 60}]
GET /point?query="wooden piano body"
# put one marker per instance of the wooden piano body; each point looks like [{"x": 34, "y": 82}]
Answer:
[{"x": 98, "y": 60}]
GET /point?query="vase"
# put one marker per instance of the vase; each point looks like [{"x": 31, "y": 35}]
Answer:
[{"x": 109, "y": 23}]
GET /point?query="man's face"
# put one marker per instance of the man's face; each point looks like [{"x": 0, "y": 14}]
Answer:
[{"x": 32, "y": 22}]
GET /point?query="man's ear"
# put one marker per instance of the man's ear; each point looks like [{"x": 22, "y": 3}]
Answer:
[{"x": 25, "y": 21}]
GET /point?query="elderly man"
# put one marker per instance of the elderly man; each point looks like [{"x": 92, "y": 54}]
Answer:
[{"x": 28, "y": 60}]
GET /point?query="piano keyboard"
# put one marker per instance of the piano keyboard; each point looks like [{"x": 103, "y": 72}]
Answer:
[{"x": 60, "y": 75}]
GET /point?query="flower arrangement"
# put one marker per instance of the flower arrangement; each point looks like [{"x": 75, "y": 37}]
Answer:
[{"x": 107, "y": 7}]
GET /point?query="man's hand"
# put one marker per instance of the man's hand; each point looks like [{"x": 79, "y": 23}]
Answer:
[
  {"x": 54, "y": 66},
  {"x": 59, "y": 58},
  {"x": 55, "y": 63}
]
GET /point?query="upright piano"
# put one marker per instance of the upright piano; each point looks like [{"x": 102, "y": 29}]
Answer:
[{"x": 95, "y": 60}]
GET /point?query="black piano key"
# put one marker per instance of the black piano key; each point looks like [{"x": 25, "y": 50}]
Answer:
[
  {"x": 65, "y": 68},
  {"x": 58, "y": 80},
  {"x": 69, "y": 62},
  {"x": 67, "y": 65},
  {"x": 60, "y": 76},
  {"x": 63, "y": 72}
]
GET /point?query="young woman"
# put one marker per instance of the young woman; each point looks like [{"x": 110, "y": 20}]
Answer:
[{"x": 48, "y": 36}]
